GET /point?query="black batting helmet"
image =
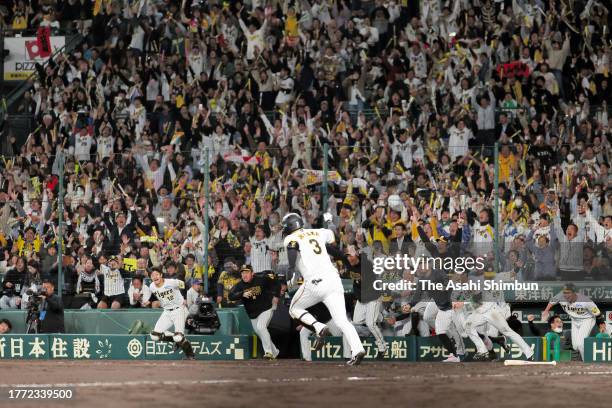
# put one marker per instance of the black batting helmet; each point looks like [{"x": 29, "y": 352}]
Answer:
[{"x": 292, "y": 222}]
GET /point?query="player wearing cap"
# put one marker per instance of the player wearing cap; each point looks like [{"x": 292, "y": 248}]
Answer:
[
  {"x": 168, "y": 292},
  {"x": 581, "y": 310},
  {"x": 442, "y": 307},
  {"x": 368, "y": 305},
  {"x": 307, "y": 250},
  {"x": 259, "y": 295}
]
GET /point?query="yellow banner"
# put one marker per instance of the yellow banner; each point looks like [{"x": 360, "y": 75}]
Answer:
[
  {"x": 316, "y": 176},
  {"x": 129, "y": 264}
]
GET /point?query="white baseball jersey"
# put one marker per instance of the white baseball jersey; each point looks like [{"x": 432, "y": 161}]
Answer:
[
  {"x": 169, "y": 294},
  {"x": 582, "y": 308},
  {"x": 261, "y": 258},
  {"x": 105, "y": 146},
  {"x": 82, "y": 147},
  {"x": 313, "y": 261},
  {"x": 113, "y": 281}
]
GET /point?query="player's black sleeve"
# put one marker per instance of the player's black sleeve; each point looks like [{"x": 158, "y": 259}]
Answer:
[
  {"x": 534, "y": 329},
  {"x": 403, "y": 316},
  {"x": 334, "y": 251},
  {"x": 431, "y": 247},
  {"x": 236, "y": 292},
  {"x": 273, "y": 284},
  {"x": 293, "y": 250},
  {"x": 416, "y": 296},
  {"x": 220, "y": 289}
]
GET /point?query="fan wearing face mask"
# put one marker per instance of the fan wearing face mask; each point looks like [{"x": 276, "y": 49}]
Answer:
[{"x": 555, "y": 338}]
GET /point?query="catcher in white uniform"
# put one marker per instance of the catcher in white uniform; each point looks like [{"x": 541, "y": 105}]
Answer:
[
  {"x": 581, "y": 309},
  {"x": 175, "y": 313},
  {"x": 307, "y": 250}
]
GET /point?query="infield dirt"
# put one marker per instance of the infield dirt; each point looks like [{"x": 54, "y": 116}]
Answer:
[{"x": 292, "y": 383}]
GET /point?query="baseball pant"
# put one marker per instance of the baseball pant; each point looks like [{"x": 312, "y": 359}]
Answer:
[
  {"x": 330, "y": 291},
  {"x": 504, "y": 308},
  {"x": 423, "y": 326},
  {"x": 445, "y": 325},
  {"x": 260, "y": 325},
  {"x": 404, "y": 327},
  {"x": 474, "y": 323},
  {"x": 491, "y": 314},
  {"x": 581, "y": 329},
  {"x": 171, "y": 318},
  {"x": 305, "y": 334},
  {"x": 429, "y": 314},
  {"x": 370, "y": 313}
]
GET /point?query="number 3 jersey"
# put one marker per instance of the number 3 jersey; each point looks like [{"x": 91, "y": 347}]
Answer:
[
  {"x": 169, "y": 294},
  {"x": 313, "y": 260}
]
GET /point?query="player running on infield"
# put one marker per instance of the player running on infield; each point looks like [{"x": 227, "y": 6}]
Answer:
[
  {"x": 175, "y": 313},
  {"x": 308, "y": 250}
]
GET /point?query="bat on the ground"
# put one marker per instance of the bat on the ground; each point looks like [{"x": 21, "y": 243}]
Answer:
[{"x": 523, "y": 363}]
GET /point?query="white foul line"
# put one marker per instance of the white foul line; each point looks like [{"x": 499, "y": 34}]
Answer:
[{"x": 139, "y": 383}]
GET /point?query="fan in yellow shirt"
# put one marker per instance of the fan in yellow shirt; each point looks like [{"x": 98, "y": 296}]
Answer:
[
  {"x": 292, "y": 35},
  {"x": 378, "y": 228},
  {"x": 507, "y": 164}
]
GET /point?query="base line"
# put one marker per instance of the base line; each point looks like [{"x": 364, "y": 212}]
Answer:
[{"x": 139, "y": 383}]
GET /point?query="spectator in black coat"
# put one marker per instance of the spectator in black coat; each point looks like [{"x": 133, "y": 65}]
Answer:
[{"x": 51, "y": 310}]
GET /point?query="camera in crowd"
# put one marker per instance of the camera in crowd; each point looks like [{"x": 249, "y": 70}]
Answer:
[
  {"x": 203, "y": 318},
  {"x": 35, "y": 298}
]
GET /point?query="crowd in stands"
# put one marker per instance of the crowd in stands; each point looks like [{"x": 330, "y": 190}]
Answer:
[{"x": 409, "y": 100}]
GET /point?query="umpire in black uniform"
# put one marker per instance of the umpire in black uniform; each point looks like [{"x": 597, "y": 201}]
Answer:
[{"x": 259, "y": 295}]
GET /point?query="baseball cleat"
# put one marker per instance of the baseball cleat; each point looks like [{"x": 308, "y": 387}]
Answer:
[
  {"x": 320, "y": 339},
  {"x": 492, "y": 355},
  {"x": 481, "y": 357},
  {"x": 356, "y": 359},
  {"x": 269, "y": 356},
  {"x": 532, "y": 358},
  {"x": 452, "y": 359},
  {"x": 505, "y": 345}
]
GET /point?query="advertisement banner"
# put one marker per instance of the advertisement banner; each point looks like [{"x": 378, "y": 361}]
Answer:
[
  {"x": 29, "y": 347},
  {"x": 601, "y": 291},
  {"x": 118, "y": 347},
  {"x": 430, "y": 349},
  {"x": 399, "y": 349},
  {"x": 25, "y": 52},
  {"x": 597, "y": 350},
  {"x": 204, "y": 347}
]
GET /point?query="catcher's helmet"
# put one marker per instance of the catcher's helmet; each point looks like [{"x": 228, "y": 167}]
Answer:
[{"x": 292, "y": 222}]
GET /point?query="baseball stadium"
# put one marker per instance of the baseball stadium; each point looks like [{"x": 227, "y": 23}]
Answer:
[{"x": 297, "y": 202}]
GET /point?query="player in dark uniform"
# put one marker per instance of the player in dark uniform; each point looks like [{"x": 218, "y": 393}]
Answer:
[
  {"x": 368, "y": 306},
  {"x": 444, "y": 319},
  {"x": 259, "y": 295}
]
